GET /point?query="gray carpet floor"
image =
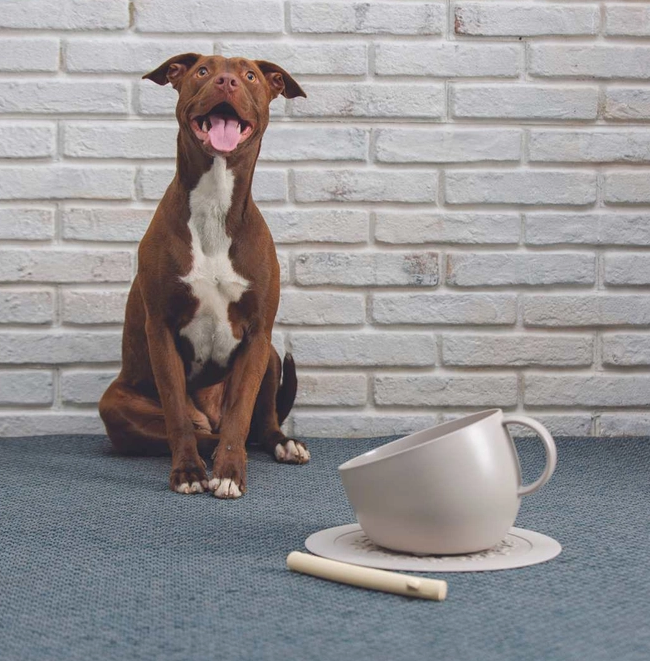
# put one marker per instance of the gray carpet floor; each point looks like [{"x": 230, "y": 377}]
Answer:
[{"x": 98, "y": 560}]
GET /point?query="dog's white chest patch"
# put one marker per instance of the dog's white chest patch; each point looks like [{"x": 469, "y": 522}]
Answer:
[{"x": 212, "y": 278}]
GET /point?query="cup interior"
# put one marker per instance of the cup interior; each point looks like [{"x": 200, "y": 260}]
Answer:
[{"x": 430, "y": 435}]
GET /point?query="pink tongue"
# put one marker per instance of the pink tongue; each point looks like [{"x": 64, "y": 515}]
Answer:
[{"x": 224, "y": 135}]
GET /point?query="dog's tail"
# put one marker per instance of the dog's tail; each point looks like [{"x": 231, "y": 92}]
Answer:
[{"x": 287, "y": 391}]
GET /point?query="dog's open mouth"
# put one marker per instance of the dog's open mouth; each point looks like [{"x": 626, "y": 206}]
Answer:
[{"x": 222, "y": 128}]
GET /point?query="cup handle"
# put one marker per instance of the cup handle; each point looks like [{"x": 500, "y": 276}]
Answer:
[{"x": 549, "y": 446}]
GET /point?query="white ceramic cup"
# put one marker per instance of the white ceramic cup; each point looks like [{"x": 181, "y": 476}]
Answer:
[{"x": 454, "y": 488}]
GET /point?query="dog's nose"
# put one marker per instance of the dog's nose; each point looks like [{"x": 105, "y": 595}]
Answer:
[{"x": 227, "y": 81}]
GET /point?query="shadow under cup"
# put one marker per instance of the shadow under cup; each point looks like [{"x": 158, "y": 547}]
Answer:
[{"x": 450, "y": 489}]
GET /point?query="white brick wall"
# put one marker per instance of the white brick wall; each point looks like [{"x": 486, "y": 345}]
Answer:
[{"x": 461, "y": 205}]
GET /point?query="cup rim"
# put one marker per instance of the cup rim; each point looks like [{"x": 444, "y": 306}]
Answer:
[{"x": 367, "y": 458}]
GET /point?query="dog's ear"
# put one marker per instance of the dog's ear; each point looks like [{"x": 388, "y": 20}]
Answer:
[
  {"x": 279, "y": 80},
  {"x": 173, "y": 70}
]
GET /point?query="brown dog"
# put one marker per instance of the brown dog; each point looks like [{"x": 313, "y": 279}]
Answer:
[{"x": 198, "y": 368}]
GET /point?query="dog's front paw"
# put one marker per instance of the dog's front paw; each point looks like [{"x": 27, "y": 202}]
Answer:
[
  {"x": 229, "y": 472},
  {"x": 292, "y": 452},
  {"x": 188, "y": 478},
  {"x": 224, "y": 488}
]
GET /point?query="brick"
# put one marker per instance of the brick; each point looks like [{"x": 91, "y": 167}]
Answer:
[
  {"x": 517, "y": 350},
  {"x": 283, "y": 260},
  {"x": 320, "y": 308},
  {"x": 67, "y": 15},
  {"x": 56, "y": 265},
  {"x": 331, "y": 225},
  {"x": 593, "y": 228},
  {"x": 524, "y": 20},
  {"x": 124, "y": 55},
  {"x": 589, "y": 146},
  {"x": 278, "y": 341},
  {"x": 317, "y": 143},
  {"x": 209, "y": 16},
  {"x": 627, "y": 20},
  {"x": 45, "y": 423},
  {"x": 533, "y": 269},
  {"x": 362, "y": 269},
  {"x": 466, "y": 228},
  {"x": 358, "y": 424},
  {"x": 154, "y": 99},
  {"x": 21, "y": 140},
  {"x": 346, "y": 349},
  {"x": 428, "y": 390},
  {"x": 558, "y": 425},
  {"x": 445, "y": 309},
  {"x": 520, "y": 187},
  {"x": 268, "y": 185},
  {"x": 446, "y": 146},
  {"x": 90, "y": 306},
  {"x": 29, "y": 53},
  {"x": 586, "y": 390},
  {"x": 20, "y": 306},
  {"x": 531, "y": 102},
  {"x": 64, "y": 181},
  {"x": 25, "y": 387},
  {"x": 368, "y": 18},
  {"x": 586, "y": 310},
  {"x": 626, "y": 424},
  {"x": 332, "y": 390},
  {"x": 626, "y": 269},
  {"x": 370, "y": 100},
  {"x": 628, "y": 103},
  {"x": 564, "y": 425},
  {"x": 301, "y": 58},
  {"x": 84, "y": 387},
  {"x": 50, "y": 348},
  {"x": 52, "y": 96},
  {"x": 447, "y": 60},
  {"x": 365, "y": 186},
  {"x": 627, "y": 188},
  {"x": 26, "y": 224},
  {"x": 120, "y": 140},
  {"x": 629, "y": 350},
  {"x": 105, "y": 224},
  {"x": 589, "y": 61}
]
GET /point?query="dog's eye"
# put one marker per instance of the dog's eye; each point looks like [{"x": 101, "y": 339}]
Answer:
[
  {"x": 251, "y": 76},
  {"x": 202, "y": 71}
]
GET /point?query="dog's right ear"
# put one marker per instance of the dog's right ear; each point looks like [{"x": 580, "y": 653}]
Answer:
[{"x": 173, "y": 70}]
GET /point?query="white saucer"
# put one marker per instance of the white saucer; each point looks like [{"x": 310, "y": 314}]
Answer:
[{"x": 520, "y": 548}]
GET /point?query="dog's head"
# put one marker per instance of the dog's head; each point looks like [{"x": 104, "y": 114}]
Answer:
[{"x": 224, "y": 102}]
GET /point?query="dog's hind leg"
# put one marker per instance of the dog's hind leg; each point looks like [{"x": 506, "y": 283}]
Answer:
[
  {"x": 273, "y": 404},
  {"x": 208, "y": 401},
  {"x": 199, "y": 419},
  {"x": 136, "y": 424}
]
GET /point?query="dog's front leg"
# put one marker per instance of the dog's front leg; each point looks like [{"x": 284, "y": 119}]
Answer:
[
  {"x": 229, "y": 471},
  {"x": 188, "y": 469}
]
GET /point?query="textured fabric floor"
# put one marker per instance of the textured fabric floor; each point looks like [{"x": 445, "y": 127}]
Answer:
[{"x": 98, "y": 560}]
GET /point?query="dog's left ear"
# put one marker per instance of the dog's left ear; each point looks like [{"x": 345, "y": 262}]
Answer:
[
  {"x": 279, "y": 80},
  {"x": 173, "y": 70}
]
